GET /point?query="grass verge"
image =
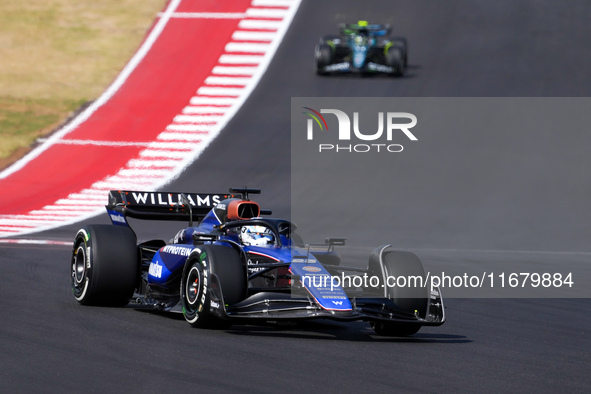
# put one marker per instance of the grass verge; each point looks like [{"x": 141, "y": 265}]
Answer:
[{"x": 57, "y": 55}]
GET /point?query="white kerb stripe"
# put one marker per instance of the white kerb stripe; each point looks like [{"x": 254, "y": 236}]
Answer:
[
  {"x": 272, "y": 3},
  {"x": 53, "y": 213},
  {"x": 222, "y": 70},
  {"x": 87, "y": 197},
  {"x": 192, "y": 109},
  {"x": 266, "y": 13},
  {"x": 240, "y": 59},
  {"x": 74, "y": 201},
  {"x": 196, "y": 119},
  {"x": 208, "y": 15},
  {"x": 259, "y": 24},
  {"x": 124, "y": 183},
  {"x": 194, "y": 128},
  {"x": 246, "y": 47},
  {"x": 208, "y": 91},
  {"x": 242, "y": 35},
  {"x": 142, "y": 163},
  {"x": 198, "y": 100},
  {"x": 180, "y": 137},
  {"x": 226, "y": 81},
  {"x": 151, "y": 173},
  {"x": 164, "y": 153},
  {"x": 170, "y": 146}
]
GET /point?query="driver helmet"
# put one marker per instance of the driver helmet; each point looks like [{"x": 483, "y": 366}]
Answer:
[
  {"x": 257, "y": 236},
  {"x": 363, "y": 27},
  {"x": 360, "y": 40}
]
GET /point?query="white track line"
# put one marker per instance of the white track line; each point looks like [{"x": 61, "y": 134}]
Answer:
[
  {"x": 99, "y": 143},
  {"x": 208, "y": 15}
]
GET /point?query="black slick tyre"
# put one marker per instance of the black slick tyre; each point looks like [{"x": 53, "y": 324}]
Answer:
[
  {"x": 402, "y": 43},
  {"x": 201, "y": 293},
  {"x": 324, "y": 57},
  {"x": 104, "y": 267},
  {"x": 410, "y": 299},
  {"x": 395, "y": 59}
]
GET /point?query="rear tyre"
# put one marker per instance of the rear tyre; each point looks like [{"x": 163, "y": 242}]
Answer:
[
  {"x": 410, "y": 299},
  {"x": 199, "y": 291},
  {"x": 104, "y": 266}
]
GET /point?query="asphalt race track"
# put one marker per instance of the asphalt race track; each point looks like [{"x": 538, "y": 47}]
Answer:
[{"x": 457, "y": 49}]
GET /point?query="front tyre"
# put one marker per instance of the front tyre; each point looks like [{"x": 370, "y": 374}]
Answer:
[
  {"x": 395, "y": 59},
  {"x": 194, "y": 293},
  {"x": 324, "y": 57},
  {"x": 402, "y": 43},
  {"x": 412, "y": 299},
  {"x": 201, "y": 294},
  {"x": 104, "y": 266}
]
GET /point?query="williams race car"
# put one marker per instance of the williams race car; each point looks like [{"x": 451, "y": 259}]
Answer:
[
  {"x": 362, "y": 48},
  {"x": 230, "y": 265}
]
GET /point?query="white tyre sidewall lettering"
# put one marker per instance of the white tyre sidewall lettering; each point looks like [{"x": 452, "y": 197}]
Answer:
[
  {"x": 201, "y": 299},
  {"x": 87, "y": 263}
]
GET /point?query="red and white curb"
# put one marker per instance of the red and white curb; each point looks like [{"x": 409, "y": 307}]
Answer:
[{"x": 239, "y": 69}]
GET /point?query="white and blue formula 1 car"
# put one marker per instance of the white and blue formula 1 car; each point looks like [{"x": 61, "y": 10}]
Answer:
[{"x": 231, "y": 266}]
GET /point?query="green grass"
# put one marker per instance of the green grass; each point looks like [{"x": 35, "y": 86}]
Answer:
[
  {"x": 56, "y": 55},
  {"x": 24, "y": 120}
]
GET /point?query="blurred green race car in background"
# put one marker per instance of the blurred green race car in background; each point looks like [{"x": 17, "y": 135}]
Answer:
[{"x": 362, "y": 48}]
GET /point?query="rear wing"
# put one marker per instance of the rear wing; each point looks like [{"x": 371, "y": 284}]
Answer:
[{"x": 161, "y": 205}]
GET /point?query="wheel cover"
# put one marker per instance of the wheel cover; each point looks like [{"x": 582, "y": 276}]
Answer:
[
  {"x": 192, "y": 286},
  {"x": 79, "y": 265},
  {"x": 80, "y": 272}
]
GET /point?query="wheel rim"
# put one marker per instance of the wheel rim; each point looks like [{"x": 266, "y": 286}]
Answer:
[
  {"x": 192, "y": 286},
  {"x": 79, "y": 265},
  {"x": 80, "y": 272}
]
